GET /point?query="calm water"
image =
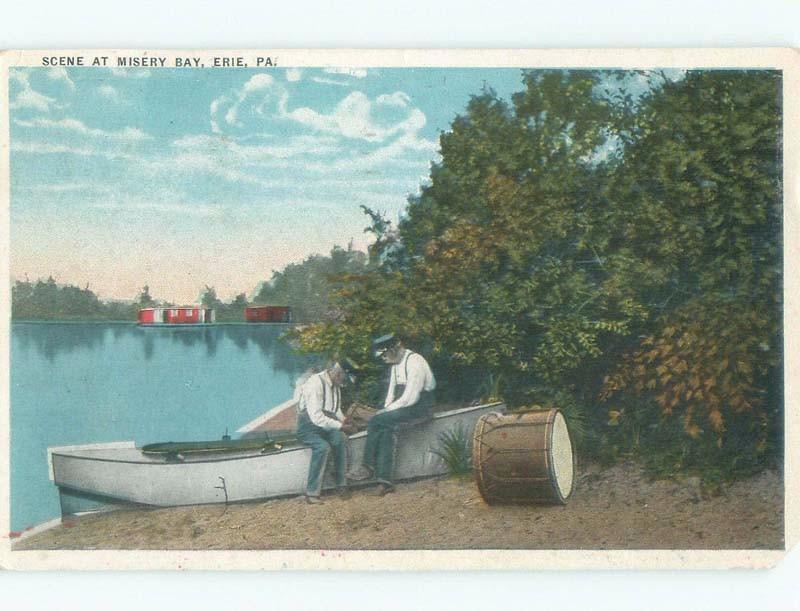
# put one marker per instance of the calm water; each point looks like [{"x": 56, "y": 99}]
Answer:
[{"x": 77, "y": 383}]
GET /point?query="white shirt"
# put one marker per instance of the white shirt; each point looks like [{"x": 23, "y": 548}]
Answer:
[
  {"x": 317, "y": 394},
  {"x": 420, "y": 377}
]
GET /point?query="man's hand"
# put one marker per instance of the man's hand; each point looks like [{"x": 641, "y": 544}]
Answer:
[
  {"x": 359, "y": 415},
  {"x": 349, "y": 429}
]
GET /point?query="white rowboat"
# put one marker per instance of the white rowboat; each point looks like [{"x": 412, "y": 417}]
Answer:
[{"x": 103, "y": 476}]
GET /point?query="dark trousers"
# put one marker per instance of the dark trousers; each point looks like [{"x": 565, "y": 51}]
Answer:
[
  {"x": 379, "y": 449},
  {"x": 322, "y": 443}
]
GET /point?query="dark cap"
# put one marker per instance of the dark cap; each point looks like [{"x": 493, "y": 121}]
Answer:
[
  {"x": 350, "y": 368},
  {"x": 384, "y": 342},
  {"x": 347, "y": 367}
]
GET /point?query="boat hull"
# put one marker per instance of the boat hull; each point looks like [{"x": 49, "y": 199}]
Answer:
[{"x": 128, "y": 476}]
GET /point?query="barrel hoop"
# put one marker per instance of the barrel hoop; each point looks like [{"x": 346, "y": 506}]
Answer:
[
  {"x": 500, "y": 478},
  {"x": 478, "y": 452},
  {"x": 477, "y": 447}
]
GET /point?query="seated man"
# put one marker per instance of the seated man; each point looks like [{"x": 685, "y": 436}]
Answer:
[
  {"x": 319, "y": 424},
  {"x": 409, "y": 398}
]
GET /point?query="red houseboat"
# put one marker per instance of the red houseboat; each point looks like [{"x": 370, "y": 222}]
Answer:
[
  {"x": 268, "y": 314},
  {"x": 184, "y": 315}
]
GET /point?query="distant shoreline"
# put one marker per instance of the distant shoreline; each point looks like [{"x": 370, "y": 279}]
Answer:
[
  {"x": 133, "y": 322},
  {"x": 61, "y": 321}
]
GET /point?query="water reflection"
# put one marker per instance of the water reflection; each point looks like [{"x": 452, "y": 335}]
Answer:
[
  {"x": 189, "y": 336},
  {"x": 75, "y": 383},
  {"x": 149, "y": 345},
  {"x": 52, "y": 340}
]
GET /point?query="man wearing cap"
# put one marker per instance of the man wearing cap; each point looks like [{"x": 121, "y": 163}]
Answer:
[
  {"x": 319, "y": 425},
  {"x": 409, "y": 398}
]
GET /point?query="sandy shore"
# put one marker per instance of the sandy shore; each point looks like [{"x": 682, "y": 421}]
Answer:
[{"x": 616, "y": 508}]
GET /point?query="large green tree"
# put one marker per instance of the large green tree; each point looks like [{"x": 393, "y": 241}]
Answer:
[
  {"x": 565, "y": 234},
  {"x": 495, "y": 274}
]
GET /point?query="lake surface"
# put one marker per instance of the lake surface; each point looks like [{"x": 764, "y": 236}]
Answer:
[{"x": 75, "y": 383}]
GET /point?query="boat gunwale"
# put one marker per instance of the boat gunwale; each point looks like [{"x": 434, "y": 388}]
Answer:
[{"x": 229, "y": 456}]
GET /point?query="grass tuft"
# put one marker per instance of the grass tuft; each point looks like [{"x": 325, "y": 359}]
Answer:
[{"x": 454, "y": 449}]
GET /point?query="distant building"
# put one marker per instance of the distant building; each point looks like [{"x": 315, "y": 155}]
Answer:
[
  {"x": 184, "y": 315},
  {"x": 268, "y": 313}
]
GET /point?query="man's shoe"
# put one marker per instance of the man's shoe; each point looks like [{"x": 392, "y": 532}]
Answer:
[
  {"x": 383, "y": 490},
  {"x": 360, "y": 473},
  {"x": 314, "y": 500}
]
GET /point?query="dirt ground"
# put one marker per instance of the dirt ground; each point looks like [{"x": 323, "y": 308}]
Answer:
[{"x": 616, "y": 508}]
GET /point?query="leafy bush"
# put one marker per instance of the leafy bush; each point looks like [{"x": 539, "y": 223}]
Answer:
[{"x": 710, "y": 360}]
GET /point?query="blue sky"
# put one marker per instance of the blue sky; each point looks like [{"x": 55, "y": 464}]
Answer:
[{"x": 179, "y": 178}]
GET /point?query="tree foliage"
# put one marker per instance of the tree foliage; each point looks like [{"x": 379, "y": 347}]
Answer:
[
  {"x": 587, "y": 243},
  {"x": 305, "y": 286},
  {"x": 144, "y": 300},
  {"x": 45, "y": 299},
  {"x": 709, "y": 177}
]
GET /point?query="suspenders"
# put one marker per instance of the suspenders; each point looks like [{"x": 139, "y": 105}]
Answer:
[
  {"x": 337, "y": 397},
  {"x": 405, "y": 366},
  {"x": 425, "y": 396}
]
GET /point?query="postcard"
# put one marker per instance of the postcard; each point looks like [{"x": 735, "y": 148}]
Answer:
[{"x": 398, "y": 309}]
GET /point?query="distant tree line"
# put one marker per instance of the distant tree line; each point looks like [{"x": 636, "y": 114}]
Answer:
[
  {"x": 304, "y": 287},
  {"x": 47, "y": 300}
]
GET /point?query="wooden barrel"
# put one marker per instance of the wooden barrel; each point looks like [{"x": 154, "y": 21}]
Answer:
[{"x": 523, "y": 458}]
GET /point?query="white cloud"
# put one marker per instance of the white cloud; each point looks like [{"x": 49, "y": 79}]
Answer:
[
  {"x": 127, "y": 134},
  {"x": 59, "y": 73},
  {"x": 208, "y": 164},
  {"x": 288, "y": 147},
  {"x": 329, "y": 81},
  {"x": 213, "y": 108},
  {"x": 391, "y": 154},
  {"x": 110, "y": 93},
  {"x": 354, "y": 72},
  {"x": 34, "y": 147},
  {"x": 48, "y": 148},
  {"x": 353, "y": 118},
  {"x": 130, "y": 72},
  {"x": 226, "y": 162},
  {"x": 294, "y": 74},
  {"x": 67, "y": 187},
  {"x": 28, "y": 97},
  {"x": 358, "y": 136},
  {"x": 398, "y": 98},
  {"x": 257, "y": 83},
  {"x": 202, "y": 210}
]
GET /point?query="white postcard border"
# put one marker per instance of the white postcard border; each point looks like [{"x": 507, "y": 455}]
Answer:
[{"x": 787, "y": 60}]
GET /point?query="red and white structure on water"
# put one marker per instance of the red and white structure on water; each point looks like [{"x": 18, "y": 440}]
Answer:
[
  {"x": 268, "y": 313},
  {"x": 184, "y": 315}
]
